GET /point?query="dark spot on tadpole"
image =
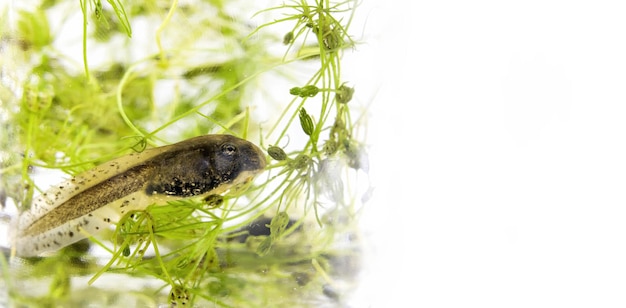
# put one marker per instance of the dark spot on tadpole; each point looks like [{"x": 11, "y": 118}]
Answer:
[{"x": 71, "y": 234}]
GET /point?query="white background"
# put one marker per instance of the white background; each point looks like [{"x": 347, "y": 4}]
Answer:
[{"x": 497, "y": 154}]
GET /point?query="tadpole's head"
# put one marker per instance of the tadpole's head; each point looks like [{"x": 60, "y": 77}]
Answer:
[
  {"x": 237, "y": 160},
  {"x": 204, "y": 164}
]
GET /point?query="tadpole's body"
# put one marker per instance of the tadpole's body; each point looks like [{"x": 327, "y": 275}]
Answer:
[{"x": 91, "y": 201}]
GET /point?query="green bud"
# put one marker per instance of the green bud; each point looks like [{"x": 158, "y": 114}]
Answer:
[
  {"x": 301, "y": 162},
  {"x": 344, "y": 94},
  {"x": 306, "y": 122},
  {"x": 288, "y": 38},
  {"x": 295, "y": 91},
  {"x": 306, "y": 91},
  {"x": 126, "y": 251},
  {"x": 330, "y": 147},
  {"x": 309, "y": 90},
  {"x": 276, "y": 153}
]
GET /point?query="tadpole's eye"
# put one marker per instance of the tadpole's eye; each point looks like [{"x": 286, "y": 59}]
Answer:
[{"x": 229, "y": 149}]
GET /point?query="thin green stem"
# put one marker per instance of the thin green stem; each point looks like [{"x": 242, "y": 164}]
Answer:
[
  {"x": 161, "y": 28},
  {"x": 83, "y": 7}
]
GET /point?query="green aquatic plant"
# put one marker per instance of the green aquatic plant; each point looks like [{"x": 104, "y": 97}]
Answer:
[{"x": 288, "y": 238}]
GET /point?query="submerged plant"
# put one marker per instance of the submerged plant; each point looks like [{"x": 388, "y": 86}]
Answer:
[{"x": 290, "y": 237}]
